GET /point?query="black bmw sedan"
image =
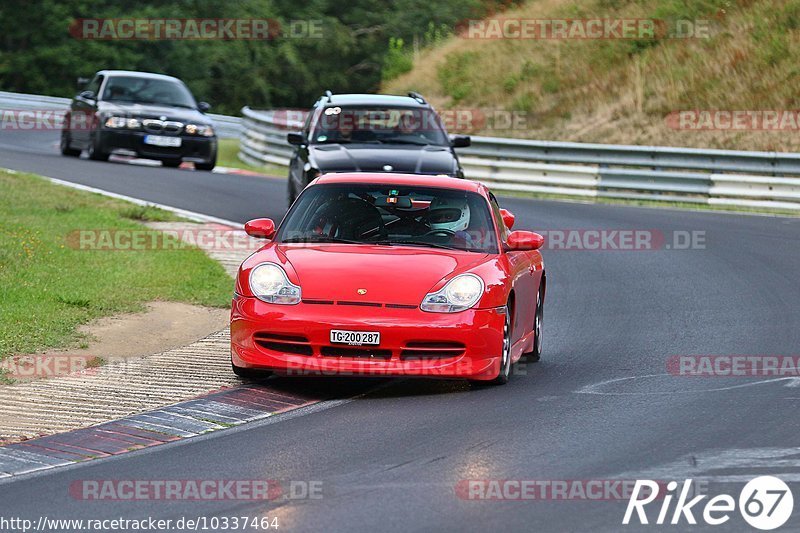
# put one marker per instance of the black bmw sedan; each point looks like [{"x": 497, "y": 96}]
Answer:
[
  {"x": 140, "y": 114},
  {"x": 372, "y": 133}
]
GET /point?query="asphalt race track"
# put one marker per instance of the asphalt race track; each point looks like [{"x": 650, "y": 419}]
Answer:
[{"x": 599, "y": 406}]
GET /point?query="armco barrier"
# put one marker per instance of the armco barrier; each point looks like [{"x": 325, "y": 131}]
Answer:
[{"x": 227, "y": 127}]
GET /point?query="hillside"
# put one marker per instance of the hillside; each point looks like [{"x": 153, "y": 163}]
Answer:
[{"x": 625, "y": 91}]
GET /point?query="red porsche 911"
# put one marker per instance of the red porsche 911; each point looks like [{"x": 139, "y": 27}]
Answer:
[{"x": 390, "y": 275}]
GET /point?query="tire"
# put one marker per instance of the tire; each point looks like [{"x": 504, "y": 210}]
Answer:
[
  {"x": 66, "y": 149},
  {"x": 249, "y": 373},
  {"x": 95, "y": 152},
  {"x": 504, "y": 371},
  {"x": 206, "y": 167},
  {"x": 536, "y": 354},
  {"x": 172, "y": 163}
]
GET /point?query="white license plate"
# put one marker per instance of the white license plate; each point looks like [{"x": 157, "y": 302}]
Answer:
[
  {"x": 161, "y": 140},
  {"x": 355, "y": 338}
]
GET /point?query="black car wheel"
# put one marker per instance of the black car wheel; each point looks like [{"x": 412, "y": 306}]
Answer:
[
  {"x": 504, "y": 372},
  {"x": 536, "y": 354},
  {"x": 66, "y": 148},
  {"x": 95, "y": 152},
  {"x": 205, "y": 166}
]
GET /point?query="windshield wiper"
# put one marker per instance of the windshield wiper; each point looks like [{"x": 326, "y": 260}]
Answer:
[
  {"x": 419, "y": 243},
  {"x": 321, "y": 239}
]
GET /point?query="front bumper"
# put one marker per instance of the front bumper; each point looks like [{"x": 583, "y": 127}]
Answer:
[
  {"x": 295, "y": 340},
  {"x": 193, "y": 148}
]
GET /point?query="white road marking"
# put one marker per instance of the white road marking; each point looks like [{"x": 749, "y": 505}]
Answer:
[{"x": 597, "y": 388}]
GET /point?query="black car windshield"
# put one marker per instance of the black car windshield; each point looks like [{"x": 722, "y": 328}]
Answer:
[
  {"x": 379, "y": 125},
  {"x": 392, "y": 215},
  {"x": 148, "y": 91}
]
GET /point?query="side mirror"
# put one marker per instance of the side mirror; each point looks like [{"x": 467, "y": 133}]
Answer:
[
  {"x": 296, "y": 138},
  {"x": 508, "y": 218},
  {"x": 260, "y": 228},
  {"x": 520, "y": 241},
  {"x": 204, "y": 107},
  {"x": 87, "y": 95},
  {"x": 460, "y": 141}
]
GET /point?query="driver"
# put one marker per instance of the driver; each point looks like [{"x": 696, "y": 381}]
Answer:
[{"x": 450, "y": 216}]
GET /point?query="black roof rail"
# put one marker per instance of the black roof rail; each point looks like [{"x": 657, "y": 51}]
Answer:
[
  {"x": 330, "y": 96},
  {"x": 418, "y": 97}
]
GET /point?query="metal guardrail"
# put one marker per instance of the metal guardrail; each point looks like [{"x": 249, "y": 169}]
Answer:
[
  {"x": 227, "y": 127},
  {"x": 765, "y": 180}
]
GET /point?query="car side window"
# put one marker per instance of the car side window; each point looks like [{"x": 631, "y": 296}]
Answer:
[
  {"x": 498, "y": 217},
  {"x": 94, "y": 85}
]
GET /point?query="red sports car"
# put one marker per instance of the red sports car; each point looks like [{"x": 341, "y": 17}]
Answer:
[{"x": 390, "y": 275}]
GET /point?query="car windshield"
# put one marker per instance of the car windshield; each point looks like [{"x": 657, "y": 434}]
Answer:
[
  {"x": 148, "y": 91},
  {"x": 379, "y": 125},
  {"x": 393, "y": 215}
]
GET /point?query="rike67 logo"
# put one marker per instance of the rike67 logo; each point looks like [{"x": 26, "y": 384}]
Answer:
[{"x": 765, "y": 503}]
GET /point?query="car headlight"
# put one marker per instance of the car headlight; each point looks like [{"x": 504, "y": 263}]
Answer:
[
  {"x": 269, "y": 283},
  {"x": 200, "y": 129},
  {"x": 122, "y": 122},
  {"x": 460, "y": 293}
]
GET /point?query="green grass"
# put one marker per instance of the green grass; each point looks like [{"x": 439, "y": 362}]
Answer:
[
  {"x": 48, "y": 287},
  {"x": 228, "y": 156}
]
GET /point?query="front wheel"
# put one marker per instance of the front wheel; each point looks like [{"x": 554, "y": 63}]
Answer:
[
  {"x": 66, "y": 148},
  {"x": 505, "y": 359},
  {"x": 536, "y": 354},
  {"x": 207, "y": 167},
  {"x": 95, "y": 152}
]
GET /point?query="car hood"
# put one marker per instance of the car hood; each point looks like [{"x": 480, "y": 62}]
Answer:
[
  {"x": 180, "y": 114},
  {"x": 371, "y": 158},
  {"x": 390, "y": 275}
]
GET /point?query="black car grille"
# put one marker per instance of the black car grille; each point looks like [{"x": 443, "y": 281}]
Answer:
[{"x": 162, "y": 127}]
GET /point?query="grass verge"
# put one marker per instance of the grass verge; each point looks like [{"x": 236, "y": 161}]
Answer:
[{"x": 48, "y": 287}]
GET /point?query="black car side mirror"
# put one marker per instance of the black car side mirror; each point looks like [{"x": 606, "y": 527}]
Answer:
[
  {"x": 87, "y": 95},
  {"x": 460, "y": 141},
  {"x": 204, "y": 107},
  {"x": 296, "y": 138}
]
